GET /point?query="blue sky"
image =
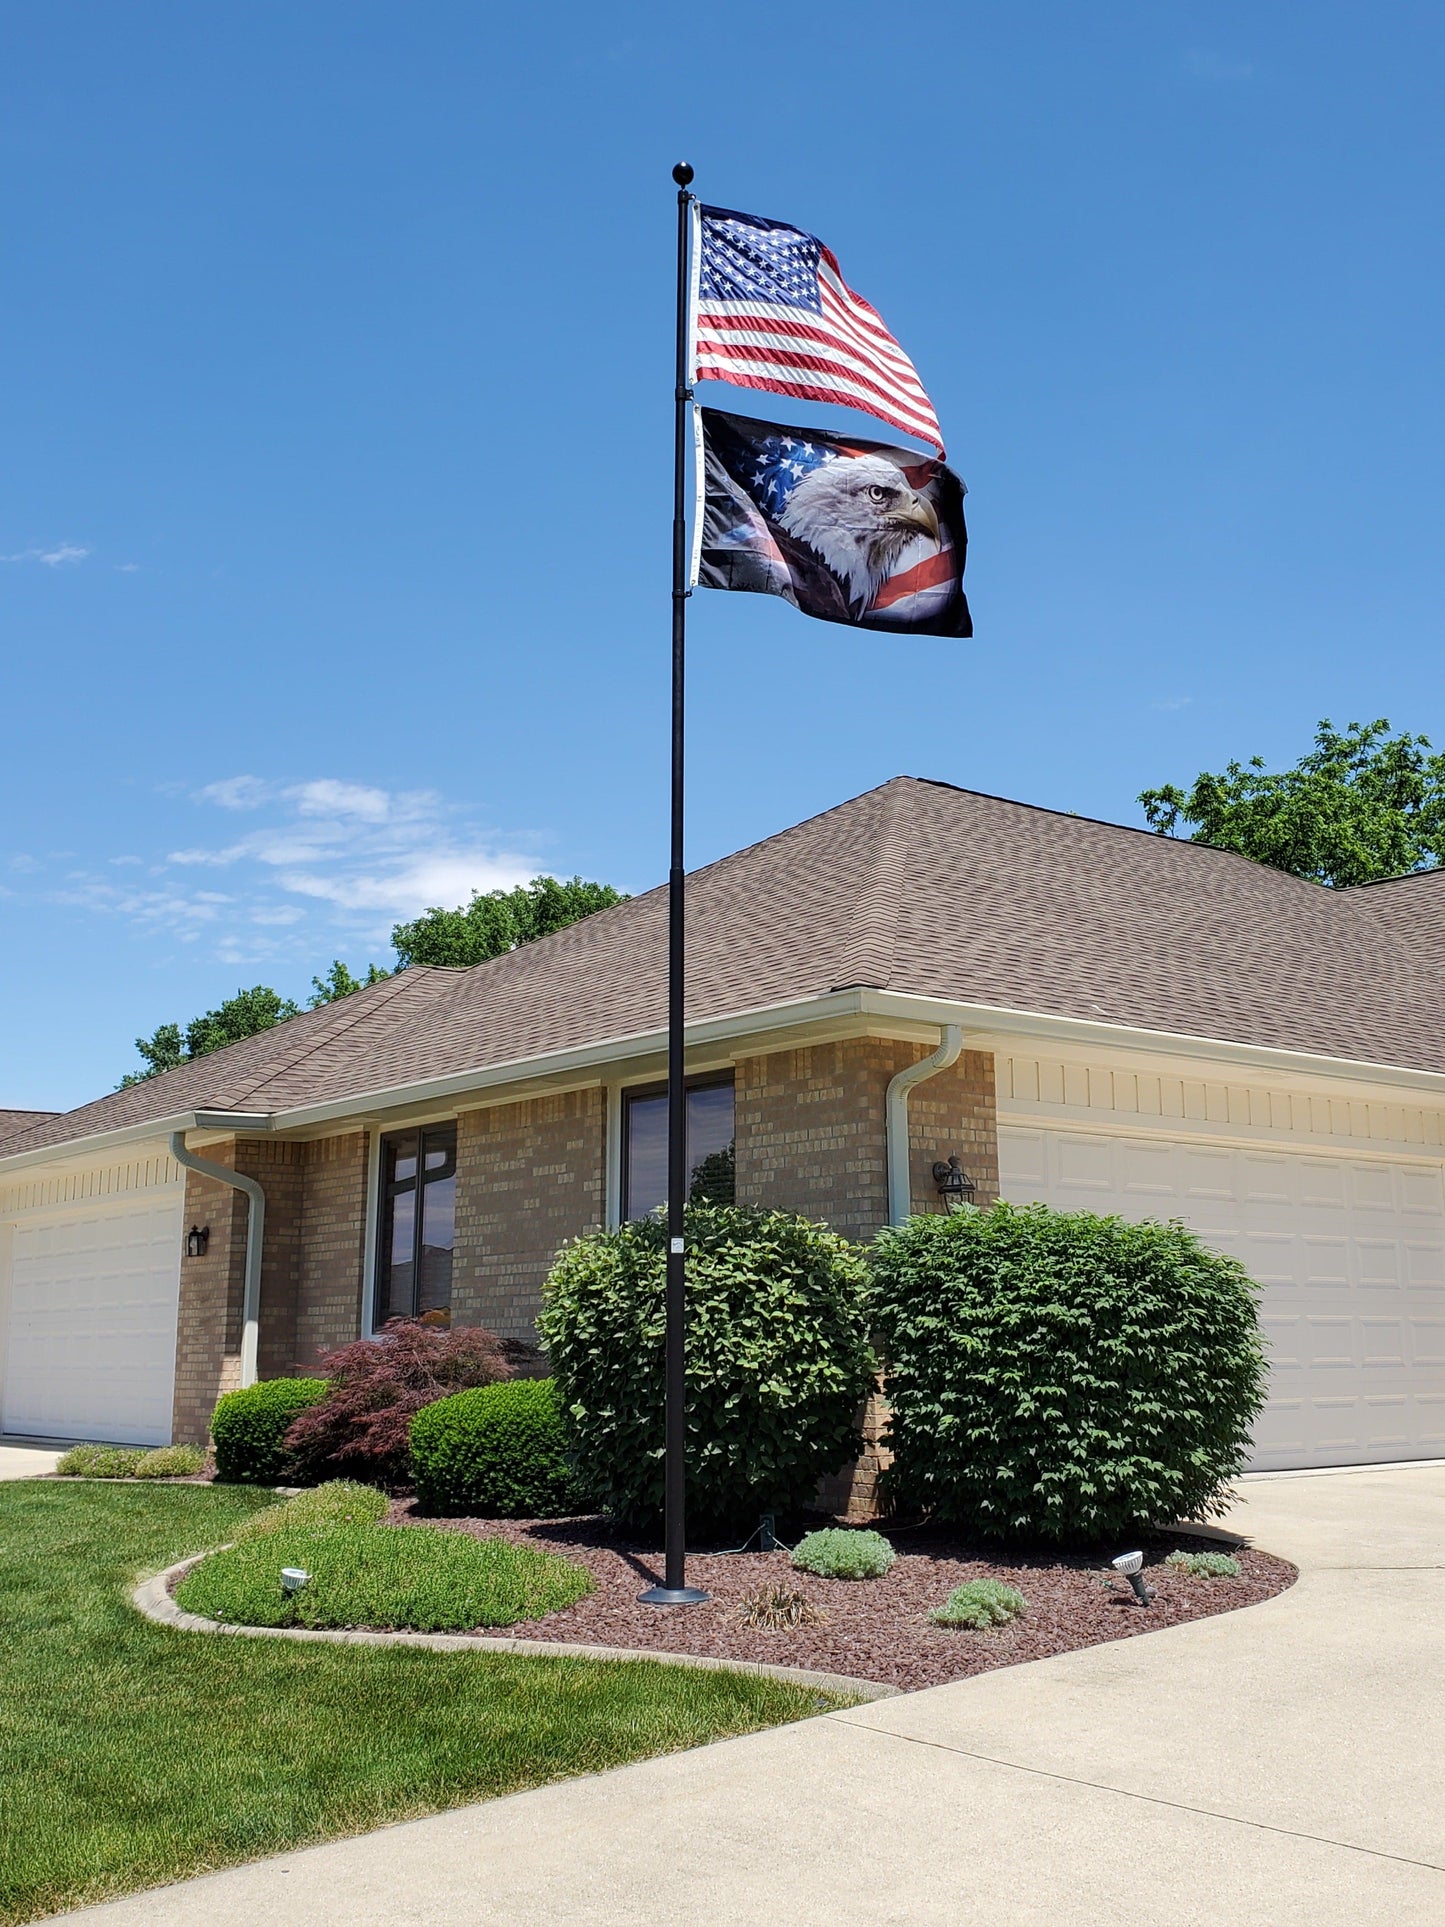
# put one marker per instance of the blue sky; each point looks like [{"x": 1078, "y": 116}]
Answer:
[{"x": 335, "y": 401}]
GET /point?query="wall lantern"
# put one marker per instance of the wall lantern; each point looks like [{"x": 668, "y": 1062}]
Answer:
[
  {"x": 197, "y": 1239},
  {"x": 955, "y": 1186}
]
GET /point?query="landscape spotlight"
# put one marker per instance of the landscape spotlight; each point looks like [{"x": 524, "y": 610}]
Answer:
[
  {"x": 1131, "y": 1564},
  {"x": 293, "y": 1578}
]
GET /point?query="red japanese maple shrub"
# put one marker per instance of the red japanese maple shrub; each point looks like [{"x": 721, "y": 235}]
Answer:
[{"x": 360, "y": 1429}]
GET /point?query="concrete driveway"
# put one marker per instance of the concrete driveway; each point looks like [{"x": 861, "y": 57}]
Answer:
[
  {"x": 1277, "y": 1766},
  {"x": 27, "y": 1458}
]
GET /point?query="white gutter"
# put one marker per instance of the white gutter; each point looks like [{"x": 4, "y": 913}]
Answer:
[
  {"x": 255, "y": 1234},
  {"x": 895, "y": 1113}
]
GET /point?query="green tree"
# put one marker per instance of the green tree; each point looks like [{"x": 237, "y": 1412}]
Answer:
[
  {"x": 1362, "y": 804},
  {"x": 339, "y": 982},
  {"x": 249, "y": 1011},
  {"x": 496, "y": 921}
]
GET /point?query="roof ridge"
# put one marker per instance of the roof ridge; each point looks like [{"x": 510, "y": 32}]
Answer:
[{"x": 868, "y": 954}]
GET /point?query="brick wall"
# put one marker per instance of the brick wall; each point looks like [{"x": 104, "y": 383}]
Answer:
[
  {"x": 529, "y": 1176},
  {"x": 208, "y": 1325},
  {"x": 332, "y": 1247},
  {"x": 280, "y": 1169},
  {"x": 811, "y": 1134}
]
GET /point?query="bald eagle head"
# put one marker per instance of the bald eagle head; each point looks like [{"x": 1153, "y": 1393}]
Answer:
[{"x": 858, "y": 515}]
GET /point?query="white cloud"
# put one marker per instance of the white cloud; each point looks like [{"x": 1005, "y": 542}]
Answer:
[
  {"x": 326, "y": 861},
  {"x": 52, "y": 558},
  {"x": 1171, "y": 702}
]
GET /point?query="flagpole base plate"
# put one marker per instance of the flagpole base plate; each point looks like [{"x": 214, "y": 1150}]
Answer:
[{"x": 673, "y": 1596}]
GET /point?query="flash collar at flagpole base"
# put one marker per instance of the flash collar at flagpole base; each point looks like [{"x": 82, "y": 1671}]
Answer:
[{"x": 672, "y": 1596}]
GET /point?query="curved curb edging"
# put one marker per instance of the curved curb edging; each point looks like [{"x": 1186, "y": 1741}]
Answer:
[{"x": 152, "y": 1598}]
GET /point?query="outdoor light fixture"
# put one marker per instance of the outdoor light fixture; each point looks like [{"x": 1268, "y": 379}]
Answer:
[
  {"x": 197, "y": 1239},
  {"x": 293, "y": 1578},
  {"x": 1131, "y": 1564},
  {"x": 955, "y": 1186}
]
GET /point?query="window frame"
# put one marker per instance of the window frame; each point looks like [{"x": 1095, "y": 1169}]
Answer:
[
  {"x": 444, "y": 1128},
  {"x": 705, "y": 1081}
]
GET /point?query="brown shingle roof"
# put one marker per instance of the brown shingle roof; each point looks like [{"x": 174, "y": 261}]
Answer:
[
  {"x": 916, "y": 887},
  {"x": 13, "y": 1121}
]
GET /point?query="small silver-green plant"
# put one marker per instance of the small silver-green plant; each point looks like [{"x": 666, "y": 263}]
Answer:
[
  {"x": 340, "y": 1502},
  {"x": 1204, "y": 1565},
  {"x": 979, "y": 1605},
  {"x": 100, "y": 1462},
  {"x": 836, "y": 1553},
  {"x": 778, "y": 1609},
  {"x": 171, "y": 1462}
]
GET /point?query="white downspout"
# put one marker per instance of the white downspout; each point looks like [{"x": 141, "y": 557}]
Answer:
[
  {"x": 895, "y": 1111},
  {"x": 255, "y": 1232}
]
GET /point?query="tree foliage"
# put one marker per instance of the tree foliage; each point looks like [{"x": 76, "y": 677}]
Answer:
[
  {"x": 1362, "y": 804},
  {"x": 243, "y": 1015},
  {"x": 496, "y": 921},
  {"x": 339, "y": 982}
]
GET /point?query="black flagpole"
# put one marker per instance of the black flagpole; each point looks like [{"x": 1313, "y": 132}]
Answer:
[{"x": 674, "y": 1590}]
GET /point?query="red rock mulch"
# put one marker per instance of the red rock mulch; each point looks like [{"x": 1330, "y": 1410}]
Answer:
[{"x": 877, "y": 1629}]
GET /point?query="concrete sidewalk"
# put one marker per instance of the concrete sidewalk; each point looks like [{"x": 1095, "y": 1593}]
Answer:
[
  {"x": 1274, "y": 1767},
  {"x": 28, "y": 1458}
]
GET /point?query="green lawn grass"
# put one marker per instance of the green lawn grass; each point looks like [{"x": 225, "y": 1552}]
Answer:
[
  {"x": 132, "y": 1754},
  {"x": 365, "y": 1574}
]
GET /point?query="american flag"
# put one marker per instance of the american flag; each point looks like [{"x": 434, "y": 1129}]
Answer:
[{"x": 771, "y": 310}]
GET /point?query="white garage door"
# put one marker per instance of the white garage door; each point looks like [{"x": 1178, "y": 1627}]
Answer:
[
  {"x": 89, "y": 1335},
  {"x": 1351, "y": 1255}
]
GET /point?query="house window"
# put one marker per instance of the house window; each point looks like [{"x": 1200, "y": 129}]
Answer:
[
  {"x": 709, "y": 1147},
  {"x": 418, "y": 1219}
]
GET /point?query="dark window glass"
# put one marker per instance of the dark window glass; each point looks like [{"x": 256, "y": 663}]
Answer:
[
  {"x": 709, "y": 1148},
  {"x": 414, "y": 1251}
]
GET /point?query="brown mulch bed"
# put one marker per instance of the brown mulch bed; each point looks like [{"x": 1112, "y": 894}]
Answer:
[{"x": 877, "y": 1629}]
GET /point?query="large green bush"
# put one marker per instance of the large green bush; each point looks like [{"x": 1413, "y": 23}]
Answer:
[
  {"x": 248, "y": 1428},
  {"x": 1063, "y": 1377},
  {"x": 497, "y": 1452},
  {"x": 778, "y": 1358}
]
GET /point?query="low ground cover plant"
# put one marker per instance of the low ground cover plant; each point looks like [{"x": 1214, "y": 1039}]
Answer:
[
  {"x": 185, "y": 1753},
  {"x": 778, "y": 1361},
  {"x": 979, "y": 1604},
  {"x": 1063, "y": 1377},
  {"x": 340, "y": 1502},
  {"x": 361, "y": 1427},
  {"x": 497, "y": 1452},
  {"x": 249, "y": 1427},
  {"x": 836, "y": 1552},
  {"x": 130, "y": 1462},
  {"x": 778, "y": 1609},
  {"x": 100, "y": 1461},
  {"x": 411, "y": 1577},
  {"x": 1205, "y": 1565}
]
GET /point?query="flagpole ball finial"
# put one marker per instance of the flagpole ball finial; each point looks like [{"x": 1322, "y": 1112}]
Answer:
[{"x": 682, "y": 174}]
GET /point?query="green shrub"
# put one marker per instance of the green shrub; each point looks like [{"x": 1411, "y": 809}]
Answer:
[
  {"x": 385, "y": 1576},
  {"x": 838, "y": 1553},
  {"x": 100, "y": 1461},
  {"x": 979, "y": 1604},
  {"x": 1062, "y": 1377},
  {"x": 341, "y": 1502},
  {"x": 778, "y": 1360},
  {"x": 498, "y": 1451},
  {"x": 171, "y": 1462},
  {"x": 1204, "y": 1565},
  {"x": 248, "y": 1428}
]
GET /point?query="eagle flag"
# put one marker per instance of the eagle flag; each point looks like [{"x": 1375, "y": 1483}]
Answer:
[
  {"x": 770, "y": 309},
  {"x": 847, "y": 530}
]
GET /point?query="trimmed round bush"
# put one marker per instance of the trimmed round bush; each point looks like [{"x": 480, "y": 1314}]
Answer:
[
  {"x": 248, "y": 1428},
  {"x": 980, "y": 1604},
  {"x": 497, "y": 1452},
  {"x": 1055, "y": 1376},
  {"x": 778, "y": 1360},
  {"x": 837, "y": 1553}
]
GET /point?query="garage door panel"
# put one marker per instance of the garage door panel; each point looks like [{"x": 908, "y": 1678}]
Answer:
[
  {"x": 1350, "y": 1255},
  {"x": 90, "y": 1334}
]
